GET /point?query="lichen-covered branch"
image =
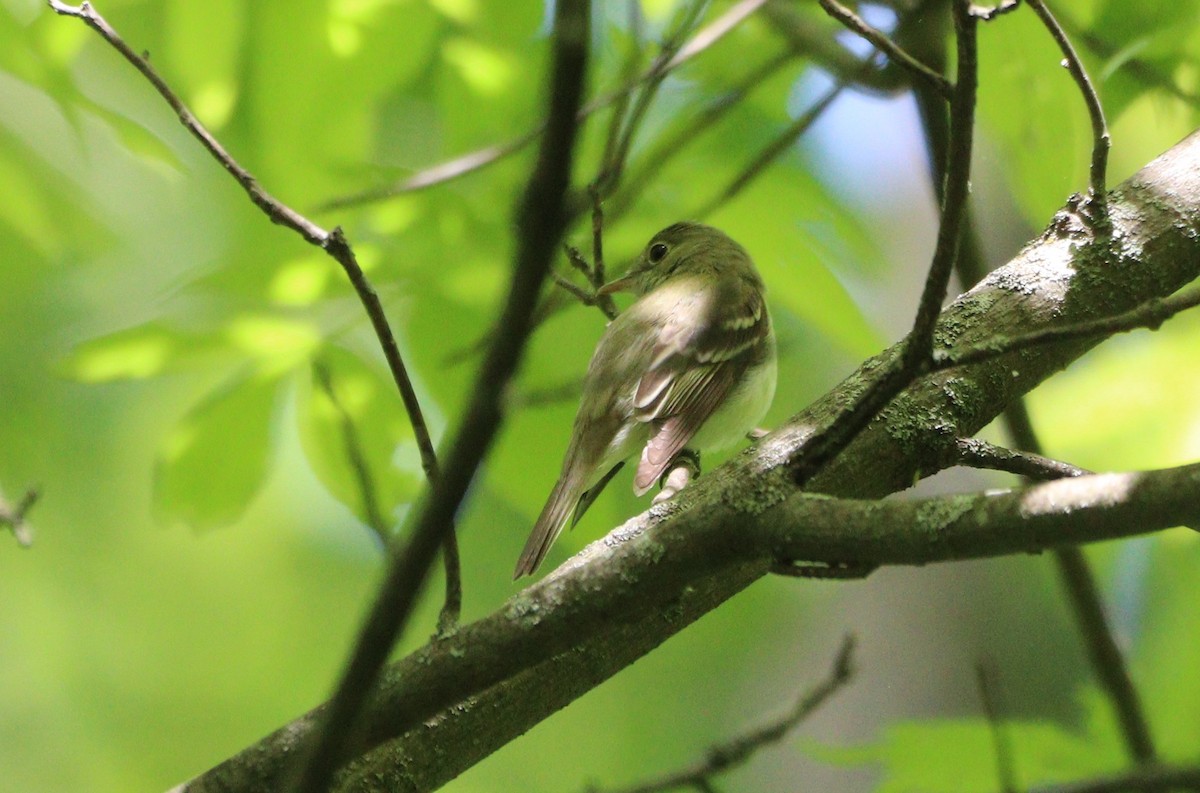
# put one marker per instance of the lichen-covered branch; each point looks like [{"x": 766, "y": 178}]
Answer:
[{"x": 647, "y": 580}]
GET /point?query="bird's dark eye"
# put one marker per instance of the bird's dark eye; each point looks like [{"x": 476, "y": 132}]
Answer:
[{"x": 657, "y": 251}]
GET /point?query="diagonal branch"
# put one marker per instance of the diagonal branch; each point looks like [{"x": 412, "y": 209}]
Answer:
[
  {"x": 891, "y": 49},
  {"x": 15, "y": 518},
  {"x": 473, "y": 161},
  {"x": 334, "y": 243},
  {"x": 740, "y": 749},
  {"x": 541, "y": 221},
  {"x": 899, "y": 371},
  {"x": 1150, "y": 314},
  {"x": 1101, "y": 142},
  {"x": 454, "y": 702},
  {"x": 1107, "y": 661}
]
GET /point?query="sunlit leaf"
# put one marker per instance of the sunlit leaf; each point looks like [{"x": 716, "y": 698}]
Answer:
[
  {"x": 140, "y": 352},
  {"x": 215, "y": 460},
  {"x": 354, "y": 431}
]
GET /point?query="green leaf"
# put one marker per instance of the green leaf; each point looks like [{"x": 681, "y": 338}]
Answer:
[
  {"x": 358, "y": 438},
  {"x": 1034, "y": 111},
  {"x": 958, "y": 756},
  {"x": 213, "y": 463},
  {"x": 141, "y": 352}
]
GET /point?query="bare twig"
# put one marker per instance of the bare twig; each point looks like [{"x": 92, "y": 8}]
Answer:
[
  {"x": 976, "y": 453},
  {"x": 355, "y": 457},
  {"x": 481, "y": 158},
  {"x": 1072, "y": 565},
  {"x": 1147, "y": 72},
  {"x": 1150, "y": 314},
  {"x": 956, "y": 189},
  {"x": 1080, "y": 584},
  {"x": 628, "y": 117},
  {"x": 594, "y": 272},
  {"x": 1107, "y": 661},
  {"x": 769, "y": 153},
  {"x": 437, "y": 174},
  {"x": 670, "y": 145},
  {"x": 737, "y": 751},
  {"x": 541, "y": 221},
  {"x": 333, "y": 242},
  {"x": 891, "y": 49},
  {"x": 598, "y": 277},
  {"x": 587, "y": 298},
  {"x": 14, "y": 518},
  {"x": 985, "y": 678},
  {"x": 1142, "y": 780},
  {"x": 900, "y": 371},
  {"x": 1100, "y": 138}
]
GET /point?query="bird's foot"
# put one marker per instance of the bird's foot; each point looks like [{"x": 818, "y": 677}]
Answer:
[{"x": 683, "y": 468}]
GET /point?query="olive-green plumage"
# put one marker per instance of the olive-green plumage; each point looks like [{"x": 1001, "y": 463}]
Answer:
[{"x": 690, "y": 363}]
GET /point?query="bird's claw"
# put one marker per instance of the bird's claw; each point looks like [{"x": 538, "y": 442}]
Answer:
[{"x": 683, "y": 468}]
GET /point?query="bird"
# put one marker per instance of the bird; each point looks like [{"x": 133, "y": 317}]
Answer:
[{"x": 690, "y": 364}]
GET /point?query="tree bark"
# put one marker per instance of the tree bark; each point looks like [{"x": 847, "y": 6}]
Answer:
[{"x": 455, "y": 701}]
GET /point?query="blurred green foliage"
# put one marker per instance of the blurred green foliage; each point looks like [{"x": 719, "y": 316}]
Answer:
[{"x": 201, "y": 555}]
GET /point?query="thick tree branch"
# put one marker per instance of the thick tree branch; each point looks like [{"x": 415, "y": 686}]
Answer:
[{"x": 653, "y": 576}]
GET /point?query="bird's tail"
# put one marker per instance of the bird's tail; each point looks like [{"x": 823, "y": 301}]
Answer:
[{"x": 550, "y": 523}]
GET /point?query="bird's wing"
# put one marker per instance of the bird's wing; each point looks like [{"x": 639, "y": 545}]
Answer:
[{"x": 699, "y": 356}]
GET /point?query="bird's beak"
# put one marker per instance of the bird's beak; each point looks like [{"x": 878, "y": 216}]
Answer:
[{"x": 619, "y": 285}]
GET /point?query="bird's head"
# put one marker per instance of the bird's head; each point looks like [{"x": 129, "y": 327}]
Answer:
[{"x": 685, "y": 248}]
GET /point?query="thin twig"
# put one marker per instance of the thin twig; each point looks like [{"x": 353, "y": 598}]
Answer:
[
  {"x": 737, "y": 751},
  {"x": 1100, "y": 138},
  {"x": 670, "y": 145},
  {"x": 1080, "y": 584},
  {"x": 1071, "y": 563},
  {"x": 1141, "y": 780},
  {"x": 1150, "y": 314},
  {"x": 985, "y": 676},
  {"x": 437, "y": 174},
  {"x": 598, "y": 277},
  {"x": 355, "y": 457},
  {"x": 891, "y": 49},
  {"x": 915, "y": 358},
  {"x": 956, "y": 190},
  {"x": 15, "y": 520},
  {"x": 541, "y": 221},
  {"x": 769, "y": 153},
  {"x": 473, "y": 161},
  {"x": 976, "y": 453},
  {"x": 630, "y": 120},
  {"x": 1147, "y": 72},
  {"x": 629, "y": 77},
  {"x": 584, "y": 296},
  {"x": 1106, "y": 658},
  {"x": 1083, "y": 594},
  {"x": 333, "y": 242},
  {"x": 818, "y": 44}
]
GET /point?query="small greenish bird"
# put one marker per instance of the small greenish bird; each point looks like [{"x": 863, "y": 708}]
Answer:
[{"x": 690, "y": 364}]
